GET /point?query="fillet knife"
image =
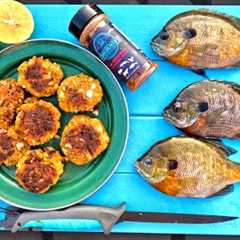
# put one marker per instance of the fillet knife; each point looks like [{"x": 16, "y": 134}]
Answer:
[{"x": 107, "y": 216}]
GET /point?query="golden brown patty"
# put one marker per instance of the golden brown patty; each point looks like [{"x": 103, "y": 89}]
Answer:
[
  {"x": 39, "y": 169},
  {"x": 11, "y": 97},
  {"x": 79, "y": 93},
  {"x": 37, "y": 122},
  {"x": 40, "y": 76},
  {"x": 12, "y": 148},
  {"x": 83, "y": 139}
]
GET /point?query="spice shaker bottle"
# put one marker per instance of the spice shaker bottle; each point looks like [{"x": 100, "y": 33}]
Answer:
[{"x": 95, "y": 31}]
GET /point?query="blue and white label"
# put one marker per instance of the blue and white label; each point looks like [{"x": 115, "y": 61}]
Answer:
[
  {"x": 106, "y": 46},
  {"x": 120, "y": 55}
]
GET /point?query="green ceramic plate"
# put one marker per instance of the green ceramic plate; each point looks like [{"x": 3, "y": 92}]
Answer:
[{"x": 77, "y": 183}]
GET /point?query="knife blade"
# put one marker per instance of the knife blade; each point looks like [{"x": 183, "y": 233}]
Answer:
[{"x": 107, "y": 216}]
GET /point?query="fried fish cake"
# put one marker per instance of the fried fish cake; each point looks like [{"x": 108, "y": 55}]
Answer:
[
  {"x": 11, "y": 97},
  {"x": 40, "y": 76},
  {"x": 79, "y": 93},
  {"x": 39, "y": 170},
  {"x": 12, "y": 148},
  {"x": 37, "y": 122},
  {"x": 83, "y": 139}
]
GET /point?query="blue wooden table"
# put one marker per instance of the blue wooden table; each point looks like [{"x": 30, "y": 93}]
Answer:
[{"x": 147, "y": 126}]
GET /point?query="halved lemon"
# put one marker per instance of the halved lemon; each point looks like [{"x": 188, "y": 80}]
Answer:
[{"x": 16, "y": 22}]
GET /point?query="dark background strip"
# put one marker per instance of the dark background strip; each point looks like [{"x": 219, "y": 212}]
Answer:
[
  {"x": 202, "y": 2},
  {"x": 99, "y": 236}
]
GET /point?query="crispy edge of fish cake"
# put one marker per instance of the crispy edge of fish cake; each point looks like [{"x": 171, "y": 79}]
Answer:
[
  {"x": 38, "y": 129},
  {"x": 40, "y": 76},
  {"x": 83, "y": 139},
  {"x": 7, "y": 115},
  {"x": 12, "y": 147},
  {"x": 79, "y": 93},
  {"x": 39, "y": 170},
  {"x": 11, "y": 97}
]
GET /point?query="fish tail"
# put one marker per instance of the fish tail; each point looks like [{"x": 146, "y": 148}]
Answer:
[{"x": 234, "y": 173}]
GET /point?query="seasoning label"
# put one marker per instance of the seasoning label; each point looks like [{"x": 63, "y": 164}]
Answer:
[
  {"x": 121, "y": 56},
  {"x": 105, "y": 46}
]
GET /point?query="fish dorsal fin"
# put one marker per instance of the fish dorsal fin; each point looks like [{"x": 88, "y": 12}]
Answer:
[
  {"x": 235, "y": 86},
  {"x": 200, "y": 72},
  {"x": 227, "y": 150},
  {"x": 230, "y": 19}
]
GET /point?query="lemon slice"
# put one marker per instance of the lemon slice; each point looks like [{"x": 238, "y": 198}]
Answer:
[{"x": 16, "y": 22}]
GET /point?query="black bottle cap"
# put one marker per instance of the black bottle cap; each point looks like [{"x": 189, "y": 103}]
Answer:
[{"x": 82, "y": 18}]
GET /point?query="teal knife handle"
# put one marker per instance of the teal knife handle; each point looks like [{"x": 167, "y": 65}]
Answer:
[{"x": 107, "y": 216}]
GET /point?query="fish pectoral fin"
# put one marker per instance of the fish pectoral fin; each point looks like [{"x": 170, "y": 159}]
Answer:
[
  {"x": 228, "y": 189},
  {"x": 170, "y": 185},
  {"x": 217, "y": 114},
  {"x": 200, "y": 72},
  {"x": 227, "y": 150}
]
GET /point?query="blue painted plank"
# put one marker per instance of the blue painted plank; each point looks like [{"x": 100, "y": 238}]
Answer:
[
  {"x": 150, "y": 99},
  {"x": 163, "y": 86},
  {"x": 139, "y": 23},
  {"x": 144, "y": 132},
  {"x": 160, "y": 89},
  {"x": 228, "y": 228},
  {"x": 139, "y": 196}
]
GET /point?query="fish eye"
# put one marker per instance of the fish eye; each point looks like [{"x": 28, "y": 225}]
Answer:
[
  {"x": 163, "y": 35},
  {"x": 190, "y": 33},
  {"x": 172, "y": 164},
  {"x": 202, "y": 106},
  {"x": 177, "y": 107},
  {"x": 147, "y": 162}
]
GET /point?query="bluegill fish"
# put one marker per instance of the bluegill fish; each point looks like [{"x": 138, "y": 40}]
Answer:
[
  {"x": 187, "y": 167},
  {"x": 207, "y": 109},
  {"x": 200, "y": 39}
]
